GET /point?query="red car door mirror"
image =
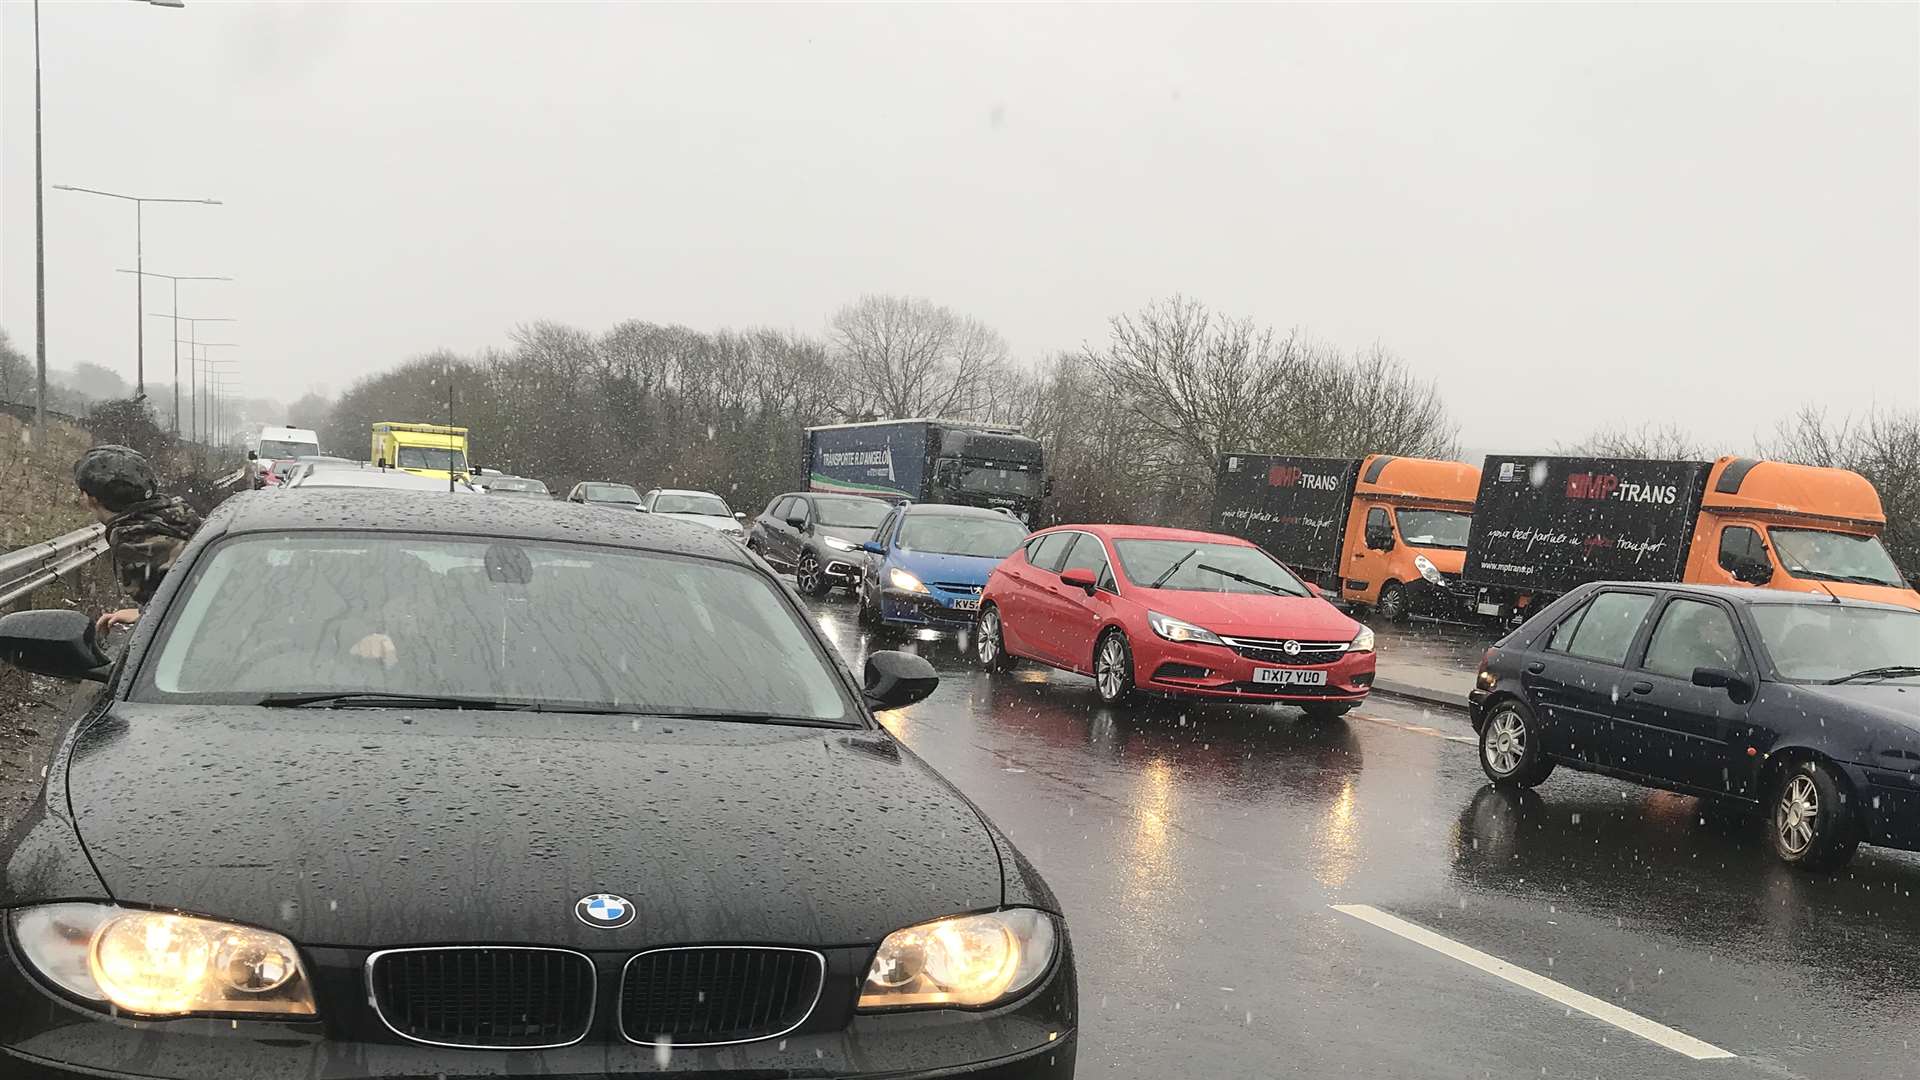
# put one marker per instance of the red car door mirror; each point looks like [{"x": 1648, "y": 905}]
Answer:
[{"x": 1079, "y": 577}]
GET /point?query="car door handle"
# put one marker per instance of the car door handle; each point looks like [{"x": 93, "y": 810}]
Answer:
[
  {"x": 1536, "y": 667},
  {"x": 1643, "y": 688}
]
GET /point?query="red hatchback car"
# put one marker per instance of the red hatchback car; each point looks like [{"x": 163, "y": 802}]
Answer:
[{"x": 1174, "y": 612}]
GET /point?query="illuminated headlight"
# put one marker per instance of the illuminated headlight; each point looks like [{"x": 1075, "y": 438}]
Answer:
[
  {"x": 904, "y": 581},
  {"x": 156, "y": 963},
  {"x": 838, "y": 544},
  {"x": 967, "y": 960},
  {"x": 1428, "y": 570},
  {"x": 1175, "y": 630},
  {"x": 1362, "y": 641}
]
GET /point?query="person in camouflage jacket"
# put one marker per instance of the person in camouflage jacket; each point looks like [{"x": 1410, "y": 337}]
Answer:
[{"x": 146, "y": 531}]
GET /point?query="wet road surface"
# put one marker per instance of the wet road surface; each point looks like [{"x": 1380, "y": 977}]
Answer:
[{"x": 1200, "y": 854}]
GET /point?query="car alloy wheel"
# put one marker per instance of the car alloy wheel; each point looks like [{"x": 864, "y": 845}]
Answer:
[
  {"x": 807, "y": 575},
  {"x": 1113, "y": 669},
  {"x": 1796, "y": 814},
  {"x": 1505, "y": 743}
]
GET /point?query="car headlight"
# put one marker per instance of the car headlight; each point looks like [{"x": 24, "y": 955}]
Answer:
[
  {"x": 1428, "y": 570},
  {"x": 157, "y": 963},
  {"x": 1362, "y": 641},
  {"x": 1176, "y": 630},
  {"x": 904, "y": 581},
  {"x": 966, "y": 961},
  {"x": 838, "y": 544}
]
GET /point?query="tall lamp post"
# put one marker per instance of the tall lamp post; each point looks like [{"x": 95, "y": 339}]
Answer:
[
  {"x": 139, "y": 261},
  {"x": 40, "y": 236},
  {"x": 143, "y": 275},
  {"x": 201, "y": 383},
  {"x": 193, "y": 372},
  {"x": 215, "y": 380}
]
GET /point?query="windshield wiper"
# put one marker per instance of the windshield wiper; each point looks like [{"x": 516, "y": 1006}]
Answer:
[
  {"x": 1174, "y": 569},
  {"x": 1852, "y": 579},
  {"x": 377, "y": 699},
  {"x": 1891, "y": 671},
  {"x": 1267, "y": 585}
]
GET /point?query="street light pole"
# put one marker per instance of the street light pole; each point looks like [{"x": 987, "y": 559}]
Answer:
[
  {"x": 176, "y": 279},
  {"x": 192, "y": 371},
  {"x": 139, "y": 261}
]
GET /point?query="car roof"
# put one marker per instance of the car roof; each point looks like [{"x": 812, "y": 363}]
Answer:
[
  {"x": 366, "y": 478},
  {"x": 1153, "y": 532},
  {"x": 1747, "y": 594},
  {"x": 685, "y": 491},
  {"x": 302, "y": 509},
  {"x": 950, "y": 510}
]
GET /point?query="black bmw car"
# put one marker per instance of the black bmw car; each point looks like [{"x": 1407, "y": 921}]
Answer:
[
  {"x": 1798, "y": 706},
  {"x": 386, "y": 786}
]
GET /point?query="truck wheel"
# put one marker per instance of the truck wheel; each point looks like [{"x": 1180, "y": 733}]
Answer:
[
  {"x": 809, "y": 577},
  {"x": 1392, "y": 605},
  {"x": 1812, "y": 825}
]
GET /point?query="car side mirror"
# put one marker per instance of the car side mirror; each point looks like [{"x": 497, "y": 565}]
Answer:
[
  {"x": 798, "y": 523},
  {"x": 872, "y": 548},
  {"x": 1735, "y": 684},
  {"x": 895, "y": 680},
  {"x": 1080, "y": 578},
  {"x": 56, "y": 643},
  {"x": 739, "y": 515},
  {"x": 642, "y": 508},
  {"x": 1752, "y": 572}
]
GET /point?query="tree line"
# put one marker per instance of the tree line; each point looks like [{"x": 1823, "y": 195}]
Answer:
[{"x": 1132, "y": 425}]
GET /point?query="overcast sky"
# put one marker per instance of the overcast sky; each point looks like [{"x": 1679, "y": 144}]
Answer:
[{"x": 1570, "y": 217}]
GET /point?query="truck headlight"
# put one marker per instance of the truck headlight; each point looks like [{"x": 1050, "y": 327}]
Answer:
[
  {"x": 966, "y": 961},
  {"x": 1180, "y": 630},
  {"x": 904, "y": 581},
  {"x": 1428, "y": 570},
  {"x": 158, "y": 963}
]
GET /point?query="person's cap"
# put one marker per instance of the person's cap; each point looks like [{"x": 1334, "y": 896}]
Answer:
[{"x": 121, "y": 467}]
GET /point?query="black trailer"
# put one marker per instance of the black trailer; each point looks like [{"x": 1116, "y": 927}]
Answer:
[
  {"x": 1294, "y": 507},
  {"x": 1543, "y": 525}
]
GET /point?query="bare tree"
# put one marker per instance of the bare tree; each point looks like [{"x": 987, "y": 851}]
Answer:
[
  {"x": 1666, "y": 442},
  {"x": 16, "y": 371},
  {"x": 905, "y": 356},
  {"x": 1883, "y": 446}
]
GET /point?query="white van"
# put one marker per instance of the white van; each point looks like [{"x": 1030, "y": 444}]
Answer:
[{"x": 284, "y": 443}]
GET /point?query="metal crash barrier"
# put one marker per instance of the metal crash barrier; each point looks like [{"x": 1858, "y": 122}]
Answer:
[{"x": 41, "y": 564}]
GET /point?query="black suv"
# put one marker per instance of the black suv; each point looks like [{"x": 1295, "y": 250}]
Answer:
[
  {"x": 817, "y": 536},
  {"x": 1799, "y": 705}
]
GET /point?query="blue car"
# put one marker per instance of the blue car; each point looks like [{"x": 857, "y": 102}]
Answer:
[{"x": 927, "y": 563}]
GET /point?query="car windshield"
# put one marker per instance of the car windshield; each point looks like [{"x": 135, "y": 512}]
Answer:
[
  {"x": 996, "y": 480},
  {"x": 614, "y": 493},
  {"x": 1435, "y": 528},
  {"x": 516, "y": 483},
  {"x": 956, "y": 534},
  {"x": 1821, "y": 642},
  {"x": 850, "y": 511},
  {"x": 668, "y": 502},
  {"x": 280, "y": 450},
  {"x": 1823, "y": 555},
  {"x": 1205, "y": 567},
  {"x": 439, "y": 459},
  {"x": 560, "y": 625}
]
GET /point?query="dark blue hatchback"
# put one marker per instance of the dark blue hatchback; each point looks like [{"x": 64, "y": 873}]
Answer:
[
  {"x": 927, "y": 563},
  {"x": 1800, "y": 706}
]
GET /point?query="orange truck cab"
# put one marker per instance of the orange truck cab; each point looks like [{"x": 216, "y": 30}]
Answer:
[
  {"x": 1543, "y": 526},
  {"x": 1406, "y": 536},
  {"x": 1795, "y": 527}
]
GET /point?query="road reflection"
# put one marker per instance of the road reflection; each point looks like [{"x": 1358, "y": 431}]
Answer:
[{"x": 1652, "y": 860}]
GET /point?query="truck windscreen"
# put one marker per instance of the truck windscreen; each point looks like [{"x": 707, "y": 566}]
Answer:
[
  {"x": 276, "y": 450},
  {"x": 432, "y": 457},
  {"x": 1435, "y": 528},
  {"x": 997, "y": 481},
  {"x": 1834, "y": 556}
]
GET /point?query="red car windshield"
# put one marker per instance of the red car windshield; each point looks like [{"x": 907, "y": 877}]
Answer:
[{"x": 1200, "y": 566}]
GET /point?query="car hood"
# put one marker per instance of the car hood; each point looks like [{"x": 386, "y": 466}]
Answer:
[
  {"x": 711, "y": 521},
  {"x": 1304, "y": 617},
  {"x": 1896, "y": 702},
  {"x": 388, "y": 827},
  {"x": 958, "y": 569}
]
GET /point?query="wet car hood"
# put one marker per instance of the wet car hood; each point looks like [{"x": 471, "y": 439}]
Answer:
[
  {"x": 933, "y": 566},
  {"x": 387, "y": 827},
  {"x": 1305, "y": 617},
  {"x": 1897, "y": 703}
]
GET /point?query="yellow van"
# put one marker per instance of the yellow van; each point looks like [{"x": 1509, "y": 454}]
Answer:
[{"x": 434, "y": 450}]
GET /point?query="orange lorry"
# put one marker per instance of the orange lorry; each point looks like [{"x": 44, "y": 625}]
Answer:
[
  {"x": 1546, "y": 524},
  {"x": 1383, "y": 531}
]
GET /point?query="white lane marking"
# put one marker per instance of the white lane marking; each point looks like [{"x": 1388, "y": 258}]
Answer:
[
  {"x": 1418, "y": 729},
  {"x": 1676, "y": 1041}
]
